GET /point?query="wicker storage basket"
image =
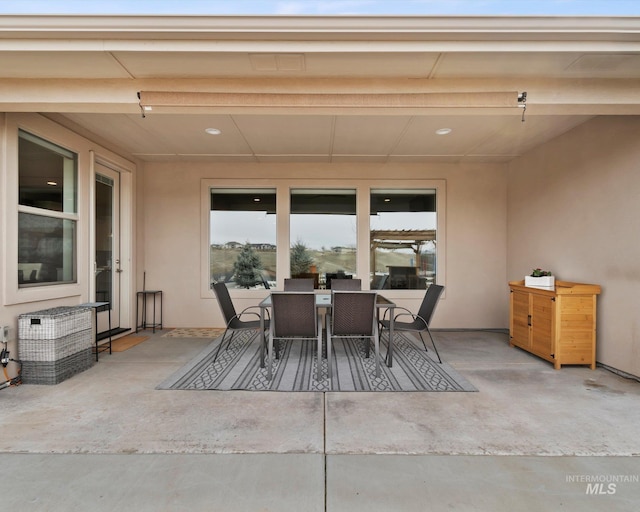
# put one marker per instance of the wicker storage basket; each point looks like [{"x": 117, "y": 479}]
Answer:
[
  {"x": 52, "y": 350},
  {"x": 54, "y": 323},
  {"x": 54, "y": 372}
]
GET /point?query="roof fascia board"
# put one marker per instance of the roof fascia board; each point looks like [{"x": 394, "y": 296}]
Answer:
[
  {"x": 306, "y": 27},
  {"x": 201, "y": 46}
]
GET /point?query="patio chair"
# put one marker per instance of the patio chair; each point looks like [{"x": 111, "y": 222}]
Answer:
[
  {"x": 419, "y": 323},
  {"x": 294, "y": 316},
  {"x": 232, "y": 319},
  {"x": 298, "y": 284},
  {"x": 331, "y": 277},
  {"x": 346, "y": 284},
  {"x": 353, "y": 315},
  {"x": 382, "y": 282}
]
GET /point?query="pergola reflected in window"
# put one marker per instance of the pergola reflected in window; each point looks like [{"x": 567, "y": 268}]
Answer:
[{"x": 403, "y": 238}]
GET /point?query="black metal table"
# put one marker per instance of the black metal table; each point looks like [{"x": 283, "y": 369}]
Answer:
[
  {"x": 143, "y": 297},
  {"x": 97, "y": 308}
]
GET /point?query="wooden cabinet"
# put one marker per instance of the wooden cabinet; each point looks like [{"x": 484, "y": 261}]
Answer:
[{"x": 558, "y": 324}]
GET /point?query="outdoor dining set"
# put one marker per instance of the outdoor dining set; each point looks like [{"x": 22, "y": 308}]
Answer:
[{"x": 350, "y": 312}]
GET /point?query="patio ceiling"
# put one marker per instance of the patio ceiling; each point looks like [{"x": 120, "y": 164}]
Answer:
[{"x": 85, "y": 72}]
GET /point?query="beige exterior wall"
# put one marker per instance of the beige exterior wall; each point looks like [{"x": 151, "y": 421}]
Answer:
[
  {"x": 574, "y": 208},
  {"x": 571, "y": 206},
  {"x": 172, "y": 222},
  {"x": 15, "y": 301}
]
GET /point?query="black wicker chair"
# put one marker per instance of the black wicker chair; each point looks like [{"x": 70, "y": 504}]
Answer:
[
  {"x": 353, "y": 315},
  {"x": 419, "y": 323},
  {"x": 346, "y": 284},
  {"x": 298, "y": 284},
  {"x": 232, "y": 319},
  {"x": 294, "y": 316}
]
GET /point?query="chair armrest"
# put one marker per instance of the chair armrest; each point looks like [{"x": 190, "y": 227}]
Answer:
[
  {"x": 395, "y": 309},
  {"x": 246, "y": 311},
  {"x": 412, "y": 315}
]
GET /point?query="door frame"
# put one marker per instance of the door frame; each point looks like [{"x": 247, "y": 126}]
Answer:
[{"x": 127, "y": 276}]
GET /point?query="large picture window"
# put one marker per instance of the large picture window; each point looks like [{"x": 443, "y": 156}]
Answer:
[
  {"x": 390, "y": 238},
  {"x": 242, "y": 238},
  {"x": 403, "y": 238},
  {"x": 323, "y": 234},
  {"x": 47, "y": 212}
]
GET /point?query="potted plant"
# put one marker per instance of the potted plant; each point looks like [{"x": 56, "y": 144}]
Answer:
[{"x": 540, "y": 279}]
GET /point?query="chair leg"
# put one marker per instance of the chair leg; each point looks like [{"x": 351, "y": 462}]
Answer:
[
  {"x": 367, "y": 350},
  {"x": 220, "y": 345},
  {"x": 432, "y": 342},
  {"x": 276, "y": 345},
  {"x": 230, "y": 338},
  {"x": 376, "y": 342},
  {"x": 329, "y": 359},
  {"x": 386, "y": 356},
  {"x": 269, "y": 357},
  {"x": 319, "y": 362}
]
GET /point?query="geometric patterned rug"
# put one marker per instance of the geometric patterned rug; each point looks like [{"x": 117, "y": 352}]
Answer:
[{"x": 238, "y": 368}]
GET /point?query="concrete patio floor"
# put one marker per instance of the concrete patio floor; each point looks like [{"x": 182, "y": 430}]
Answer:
[{"x": 532, "y": 438}]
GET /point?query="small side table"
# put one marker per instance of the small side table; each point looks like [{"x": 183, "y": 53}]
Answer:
[
  {"x": 97, "y": 308},
  {"x": 143, "y": 297}
]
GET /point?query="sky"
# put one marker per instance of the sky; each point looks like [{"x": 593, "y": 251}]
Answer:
[{"x": 326, "y": 7}]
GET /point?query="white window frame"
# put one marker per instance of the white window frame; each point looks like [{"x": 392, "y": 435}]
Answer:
[
  {"x": 55, "y": 134},
  {"x": 283, "y": 188},
  {"x": 54, "y": 214}
]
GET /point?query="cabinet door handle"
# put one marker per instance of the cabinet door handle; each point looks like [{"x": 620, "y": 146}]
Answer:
[{"x": 529, "y": 320}]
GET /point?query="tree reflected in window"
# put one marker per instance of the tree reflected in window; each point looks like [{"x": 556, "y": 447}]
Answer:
[
  {"x": 242, "y": 238},
  {"x": 323, "y": 234}
]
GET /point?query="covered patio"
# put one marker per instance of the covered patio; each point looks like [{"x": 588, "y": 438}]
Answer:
[
  {"x": 532, "y": 435},
  {"x": 164, "y": 110}
]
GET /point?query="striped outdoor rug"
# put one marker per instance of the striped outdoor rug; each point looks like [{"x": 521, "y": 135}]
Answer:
[{"x": 238, "y": 368}]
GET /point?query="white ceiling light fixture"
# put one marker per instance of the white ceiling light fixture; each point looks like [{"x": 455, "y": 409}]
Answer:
[
  {"x": 213, "y": 131},
  {"x": 443, "y": 131}
]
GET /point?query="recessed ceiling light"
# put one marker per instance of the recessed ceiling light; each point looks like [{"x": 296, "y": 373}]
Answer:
[
  {"x": 52, "y": 183},
  {"x": 443, "y": 131},
  {"x": 256, "y": 199},
  {"x": 213, "y": 131}
]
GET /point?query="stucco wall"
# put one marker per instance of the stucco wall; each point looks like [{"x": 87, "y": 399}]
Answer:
[
  {"x": 574, "y": 208},
  {"x": 476, "y": 294},
  {"x": 15, "y": 301}
]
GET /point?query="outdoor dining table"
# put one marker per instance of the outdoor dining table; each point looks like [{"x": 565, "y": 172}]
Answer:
[{"x": 323, "y": 301}]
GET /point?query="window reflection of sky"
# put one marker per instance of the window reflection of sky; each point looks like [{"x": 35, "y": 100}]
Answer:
[
  {"x": 242, "y": 227},
  {"x": 316, "y": 231},
  {"x": 323, "y": 231}
]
